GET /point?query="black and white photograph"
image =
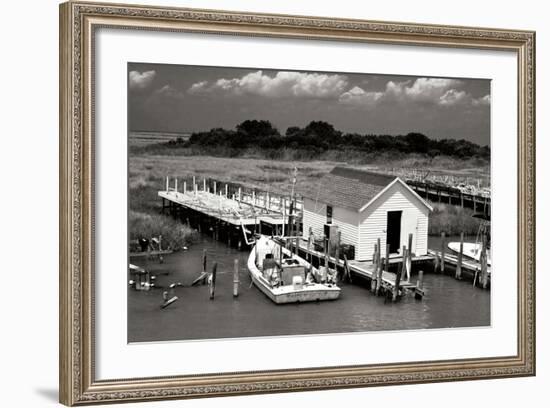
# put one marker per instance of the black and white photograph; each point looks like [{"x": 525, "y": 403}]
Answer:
[{"x": 267, "y": 202}]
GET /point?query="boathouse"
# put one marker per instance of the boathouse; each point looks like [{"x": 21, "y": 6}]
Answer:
[{"x": 364, "y": 206}]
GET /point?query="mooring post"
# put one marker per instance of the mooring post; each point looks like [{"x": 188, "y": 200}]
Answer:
[
  {"x": 337, "y": 251},
  {"x": 239, "y": 194},
  {"x": 226, "y": 190},
  {"x": 458, "y": 273},
  {"x": 404, "y": 263},
  {"x": 326, "y": 249},
  {"x": 204, "y": 260},
  {"x": 215, "y": 188},
  {"x": 409, "y": 257},
  {"x": 346, "y": 268},
  {"x": 267, "y": 201},
  {"x": 375, "y": 270},
  {"x": 167, "y": 183},
  {"x": 235, "y": 278},
  {"x": 396, "y": 288},
  {"x": 419, "y": 285},
  {"x": 379, "y": 273},
  {"x": 387, "y": 257},
  {"x": 483, "y": 259},
  {"x": 309, "y": 238},
  {"x": 184, "y": 187},
  {"x": 212, "y": 280},
  {"x": 254, "y": 197},
  {"x": 442, "y": 263}
]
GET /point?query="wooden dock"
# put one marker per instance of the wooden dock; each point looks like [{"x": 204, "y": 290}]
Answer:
[
  {"x": 451, "y": 195},
  {"x": 390, "y": 284}
]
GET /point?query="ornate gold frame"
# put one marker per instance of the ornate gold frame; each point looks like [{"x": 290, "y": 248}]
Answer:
[{"x": 78, "y": 21}]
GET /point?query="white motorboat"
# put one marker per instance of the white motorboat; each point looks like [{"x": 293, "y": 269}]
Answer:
[
  {"x": 470, "y": 250},
  {"x": 283, "y": 277}
]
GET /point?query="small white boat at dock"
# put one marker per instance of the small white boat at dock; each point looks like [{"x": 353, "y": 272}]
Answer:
[
  {"x": 471, "y": 250},
  {"x": 285, "y": 279}
]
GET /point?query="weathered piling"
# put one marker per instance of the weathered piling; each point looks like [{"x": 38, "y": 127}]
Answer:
[
  {"x": 337, "y": 251},
  {"x": 395, "y": 293},
  {"x": 309, "y": 239},
  {"x": 375, "y": 258},
  {"x": 212, "y": 280},
  {"x": 236, "y": 278},
  {"x": 443, "y": 246},
  {"x": 458, "y": 272},
  {"x": 483, "y": 261},
  {"x": 404, "y": 263},
  {"x": 419, "y": 290},
  {"x": 346, "y": 268}
]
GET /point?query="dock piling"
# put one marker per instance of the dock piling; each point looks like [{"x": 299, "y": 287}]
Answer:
[
  {"x": 375, "y": 257},
  {"x": 483, "y": 261},
  {"x": 443, "y": 246},
  {"x": 419, "y": 290},
  {"x": 395, "y": 294},
  {"x": 212, "y": 281},
  {"x": 236, "y": 278},
  {"x": 404, "y": 263},
  {"x": 458, "y": 273}
]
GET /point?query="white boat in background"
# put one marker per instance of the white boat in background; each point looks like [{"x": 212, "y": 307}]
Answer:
[
  {"x": 470, "y": 250},
  {"x": 285, "y": 279}
]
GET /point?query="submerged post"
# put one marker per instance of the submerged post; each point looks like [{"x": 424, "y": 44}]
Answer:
[
  {"x": 442, "y": 263},
  {"x": 458, "y": 273},
  {"x": 236, "y": 278}
]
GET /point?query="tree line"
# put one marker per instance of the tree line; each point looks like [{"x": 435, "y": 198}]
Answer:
[{"x": 319, "y": 137}]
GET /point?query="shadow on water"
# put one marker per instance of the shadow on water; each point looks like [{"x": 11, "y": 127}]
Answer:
[{"x": 448, "y": 303}]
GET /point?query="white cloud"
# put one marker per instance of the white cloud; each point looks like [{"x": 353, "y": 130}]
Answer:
[
  {"x": 283, "y": 84},
  {"x": 358, "y": 96},
  {"x": 141, "y": 80},
  {"x": 170, "y": 92},
  {"x": 454, "y": 97},
  {"x": 431, "y": 90},
  {"x": 483, "y": 101},
  {"x": 198, "y": 87}
]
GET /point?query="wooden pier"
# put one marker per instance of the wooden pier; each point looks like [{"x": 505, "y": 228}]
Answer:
[
  {"x": 232, "y": 212},
  {"x": 451, "y": 195},
  {"x": 392, "y": 284}
]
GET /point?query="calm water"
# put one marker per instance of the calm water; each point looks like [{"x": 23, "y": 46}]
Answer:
[{"x": 448, "y": 303}]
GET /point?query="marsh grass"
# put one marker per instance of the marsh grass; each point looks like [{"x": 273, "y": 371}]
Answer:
[
  {"x": 175, "y": 235},
  {"x": 452, "y": 220}
]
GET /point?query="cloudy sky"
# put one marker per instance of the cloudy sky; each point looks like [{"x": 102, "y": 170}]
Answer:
[{"x": 179, "y": 98}]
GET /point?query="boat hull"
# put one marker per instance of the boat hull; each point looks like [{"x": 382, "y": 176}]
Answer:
[{"x": 309, "y": 292}]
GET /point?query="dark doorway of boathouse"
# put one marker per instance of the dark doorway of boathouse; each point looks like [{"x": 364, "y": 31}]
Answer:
[{"x": 394, "y": 230}]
